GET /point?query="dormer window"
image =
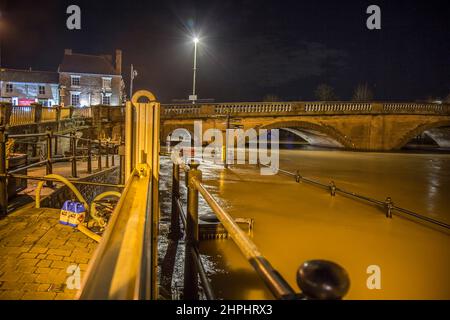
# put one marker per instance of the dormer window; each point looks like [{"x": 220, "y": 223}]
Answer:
[
  {"x": 106, "y": 83},
  {"x": 75, "y": 81},
  {"x": 42, "y": 90}
]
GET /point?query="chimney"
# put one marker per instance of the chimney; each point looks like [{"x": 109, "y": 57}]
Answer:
[
  {"x": 118, "y": 61},
  {"x": 67, "y": 51}
]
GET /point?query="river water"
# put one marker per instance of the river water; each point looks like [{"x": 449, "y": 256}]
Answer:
[{"x": 296, "y": 222}]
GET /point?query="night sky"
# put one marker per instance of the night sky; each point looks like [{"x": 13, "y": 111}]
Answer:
[{"x": 248, "y": 49}]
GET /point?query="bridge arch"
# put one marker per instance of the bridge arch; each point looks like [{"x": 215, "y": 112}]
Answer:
[
  {"x": 314, "y": 133},
  {"x": 409, "y": 135}
]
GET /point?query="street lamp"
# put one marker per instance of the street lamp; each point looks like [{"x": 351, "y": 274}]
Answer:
[{"x": 193, "y": 97}]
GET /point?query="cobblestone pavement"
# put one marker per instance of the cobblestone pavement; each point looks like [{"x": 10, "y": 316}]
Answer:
[{"x": 35, "y": 252}]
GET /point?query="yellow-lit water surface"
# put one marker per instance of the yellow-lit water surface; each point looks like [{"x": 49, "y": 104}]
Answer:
[{"x": 298, "y": 222}]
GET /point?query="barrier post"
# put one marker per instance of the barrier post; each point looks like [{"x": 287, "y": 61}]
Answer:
[
  {"x": 107, "y": 154},
  {"x": 190, "y": 273},
  {"x": 3, "y": 179},
  {"x": 89, "y": 156},
  {"x": 49, "y": 165},
  {"x": 99, "y": 158},
  {"x": 113, "y": 152},
  {"x": 175, "y": 233},
  {"x": 73, "y": 142}
]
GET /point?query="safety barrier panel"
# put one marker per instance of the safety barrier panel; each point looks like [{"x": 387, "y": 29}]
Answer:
[{"x": 124, "y": 264}]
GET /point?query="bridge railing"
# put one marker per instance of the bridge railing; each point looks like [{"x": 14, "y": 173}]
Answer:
[
  {"x": 36, "y": 113},
  {"x": 298, "y": 108}
]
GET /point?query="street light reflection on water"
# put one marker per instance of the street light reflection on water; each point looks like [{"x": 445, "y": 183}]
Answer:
[{"x": 295, "y": 222}]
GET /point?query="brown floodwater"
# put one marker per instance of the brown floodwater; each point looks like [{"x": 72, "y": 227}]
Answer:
[{"x": 295, "y": 222}]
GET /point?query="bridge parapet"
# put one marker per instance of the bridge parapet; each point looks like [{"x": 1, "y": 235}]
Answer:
[{"x": 300, "y": 108}]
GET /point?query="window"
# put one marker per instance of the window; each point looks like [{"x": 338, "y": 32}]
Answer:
[
  {"x": 75, "y": 81},
  {"x": 106, "y": 99},
  {"x": 9, "y": 87},
  {"x": 41, "y": 89},
  {"x": 75, "y": 99},
  {"x": 106, "y": 83}
]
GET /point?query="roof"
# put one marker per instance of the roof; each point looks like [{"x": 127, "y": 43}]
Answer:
[
  {"x": 14, "y": 75},
  {"x": 83, "y": 63}
]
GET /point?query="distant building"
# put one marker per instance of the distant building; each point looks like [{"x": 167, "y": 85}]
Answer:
[
  {"x": 23, "y": 87},
  {"x": 90, "y": 79}
]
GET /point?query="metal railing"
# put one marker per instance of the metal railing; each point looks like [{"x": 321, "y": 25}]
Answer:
[
  {"x": 105, "y": 149},
  {"x": 124, "y": 265},
  {"x": 387, "y": 205},
  {"x": 333, "y": 284}
]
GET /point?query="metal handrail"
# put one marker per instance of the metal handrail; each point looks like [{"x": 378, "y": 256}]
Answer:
[
  {"x": 387, "y": 204},
  {"x": 277, "y": 285},
  {"x": 116, "y": 270}
]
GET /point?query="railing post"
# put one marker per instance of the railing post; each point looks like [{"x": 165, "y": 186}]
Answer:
[
  {"x": 113, "y": 152},
  {"x": 3, "y": 179},
  {"x": 107, "y": 154},
  {"x": 99, "y": 158},
  {"x": 89, "y": 156},
  {"x": 71, "y": 112},
  {"x": 74, "y": 154},
  {"x": 5, "y": 113},
  {"x": 121, "y": 153},
  {"x": 49, "y": 165},
  {"x": 175, "y": 233},
  {"x": 190, "y": 273},
  {"x": 37, "y": 112}
]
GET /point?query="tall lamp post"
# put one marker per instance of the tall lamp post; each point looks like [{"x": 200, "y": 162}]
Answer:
[
  {"x": 193, "y": 97},
  {"x": 132, "y": 76}
]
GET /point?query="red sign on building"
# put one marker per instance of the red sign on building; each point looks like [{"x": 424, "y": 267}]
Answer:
[{"x": 26, "y": 102}]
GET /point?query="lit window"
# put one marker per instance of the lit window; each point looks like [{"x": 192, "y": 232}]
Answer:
[
  {"x": 9, "y": 87},
  {"x": 75, "y": 80},
  {"x": 106, "y": 99},
  {"x": 75, "y": 99},
  {"x": 106, "y": 83},
  {"x": 41, "y": 89}
]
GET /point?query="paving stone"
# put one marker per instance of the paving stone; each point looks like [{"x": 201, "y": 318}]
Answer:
[
  {"x": 11, "y": 295},
  {"x": 53, "y": 257},
  {"x": 43, "y": 270},
  {"x": 44, "y": 263},
  {"x": 11, "y": 285},
  {"x": 60, "y": 264},
  {"x": 38, "y": 249},
  {"x": 39, "y": 296},
  {"x": 59, "y": 252},
  {"x": 65, "y": 296},
  {"x": 28, "y": 255}
]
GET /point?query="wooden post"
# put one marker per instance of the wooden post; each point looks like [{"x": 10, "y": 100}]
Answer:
[
  {"x": 175, "y": 233},
  {"x": 107, "y": 154},
  {"x": 113, "y": 152}
]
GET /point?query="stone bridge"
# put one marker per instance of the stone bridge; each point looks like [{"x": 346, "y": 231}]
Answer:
[{"x": 374, "y": 126}]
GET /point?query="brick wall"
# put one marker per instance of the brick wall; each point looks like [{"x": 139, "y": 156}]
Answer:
[{"x": 91, "y": 85}]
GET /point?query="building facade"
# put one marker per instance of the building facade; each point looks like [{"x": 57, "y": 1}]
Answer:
[
  {"x": 24, "y": 87},
  {"x": 90, "y": 79}
]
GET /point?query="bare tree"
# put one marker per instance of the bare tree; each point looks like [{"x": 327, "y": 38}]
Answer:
[
  {"x": 447, "y": 99},
  {"x": 271, "y": 98},
  {"x": 325, "y": 92},
  {"x": 362, "y": 93}
]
